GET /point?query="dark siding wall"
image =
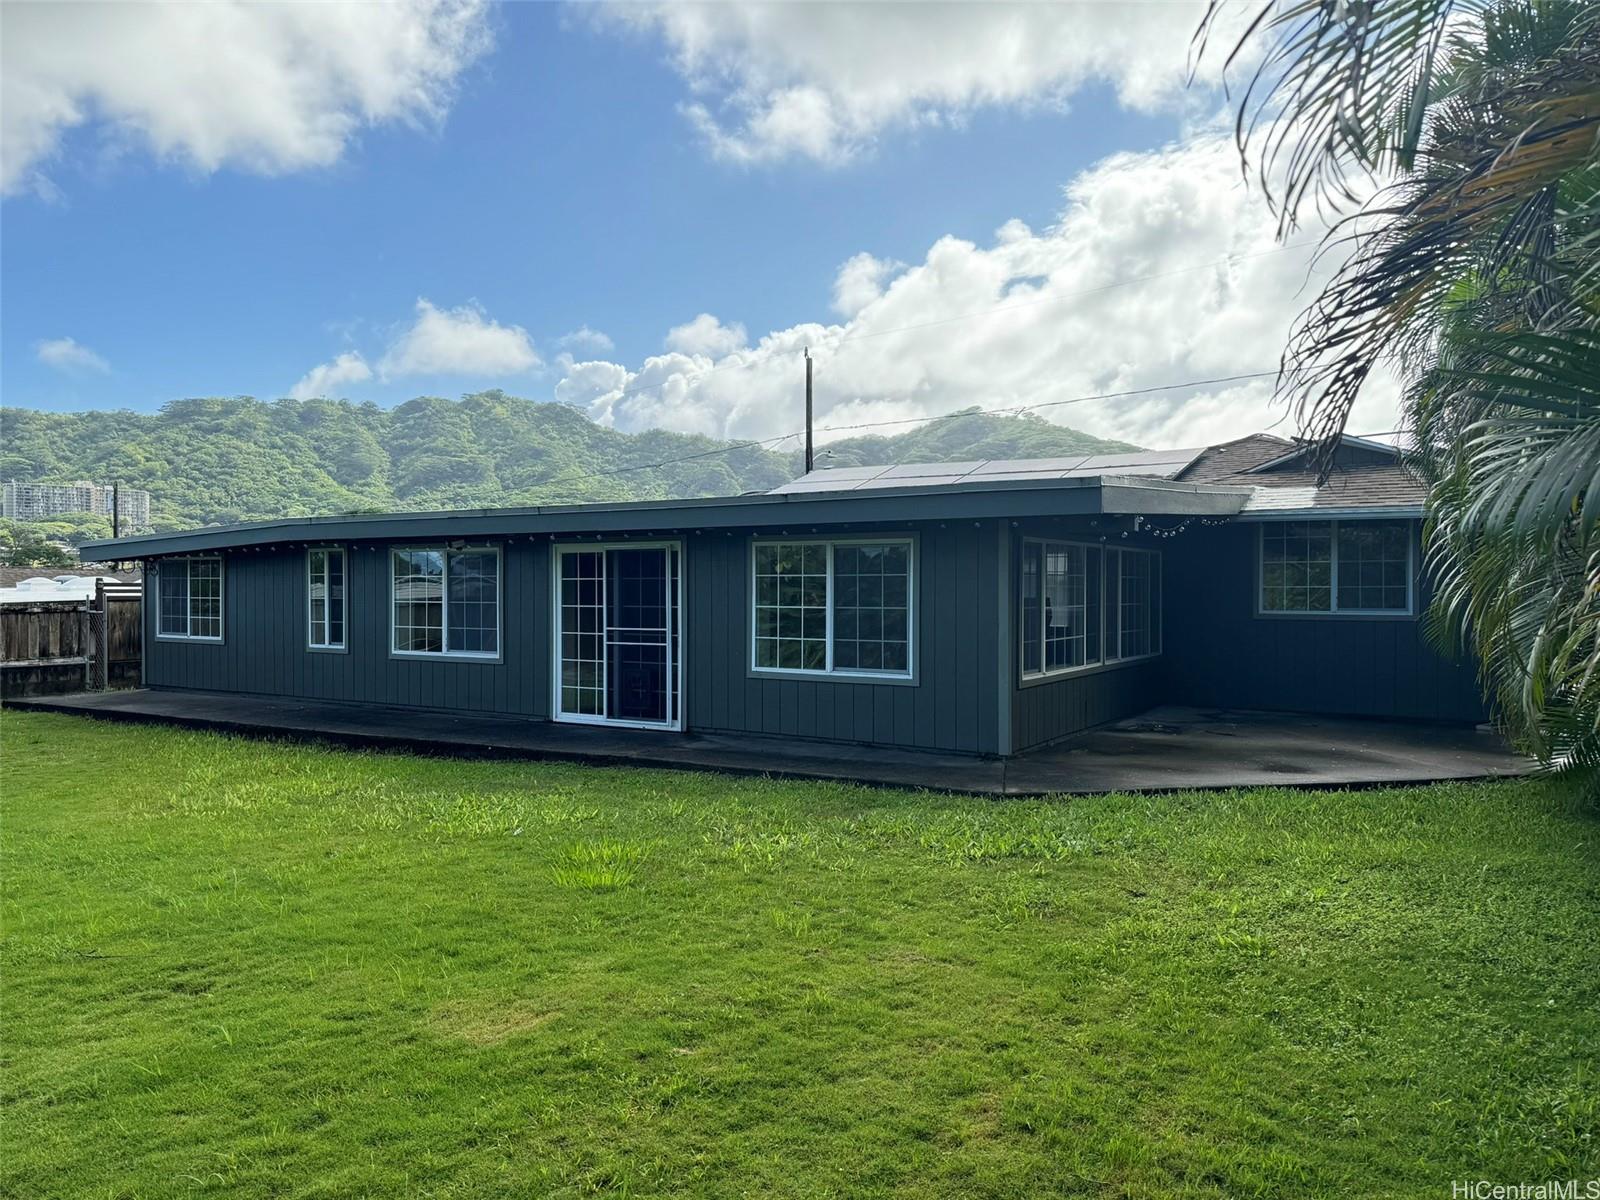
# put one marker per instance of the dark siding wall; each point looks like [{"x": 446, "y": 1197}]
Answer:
[
  {"x": 1044, "y": 712},
  {"x": 1220, "y": 653},
  {"x": 954, "y": 704},
  {"x": 952, "y": 707},
  {"x": 264, "y": 650}
]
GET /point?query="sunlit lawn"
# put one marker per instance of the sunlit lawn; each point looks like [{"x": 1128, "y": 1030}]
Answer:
[{"x": 239, "y": 969}]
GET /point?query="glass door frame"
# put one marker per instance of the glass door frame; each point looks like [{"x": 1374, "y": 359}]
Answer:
[{"x": 558, "y": 550}]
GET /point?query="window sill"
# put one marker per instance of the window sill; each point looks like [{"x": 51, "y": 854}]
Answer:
[
  {"x": 797, "y": 673},
  {"x": 445, "y": 656},
  {"x": 188, "y": 637},
  {"x": 1357, "y": 615},
  {"x": 327, "y": 649},
  {"x": 1029, "y": 681}
]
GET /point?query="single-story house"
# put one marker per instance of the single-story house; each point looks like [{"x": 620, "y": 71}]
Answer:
[{"x": 986, "y": 607}]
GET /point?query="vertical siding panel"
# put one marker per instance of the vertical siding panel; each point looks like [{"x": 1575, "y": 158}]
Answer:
[
  {"x": 883, "y": 712},
  {"x": 947, "y": 634}
]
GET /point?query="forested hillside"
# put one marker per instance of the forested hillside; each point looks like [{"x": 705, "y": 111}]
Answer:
[{"x": 220, "y": 460}]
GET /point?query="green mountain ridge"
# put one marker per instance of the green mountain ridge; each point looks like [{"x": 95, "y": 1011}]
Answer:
[{"x": 215, "y": 461}]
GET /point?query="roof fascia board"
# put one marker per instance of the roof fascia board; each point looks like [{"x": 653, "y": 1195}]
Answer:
[
  {"x": 1389, "y": 512},
  {"x": 1070, "y": 497}
]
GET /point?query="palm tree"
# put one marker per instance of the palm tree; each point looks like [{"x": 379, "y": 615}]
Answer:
[{"x": 1473, "y": 129}]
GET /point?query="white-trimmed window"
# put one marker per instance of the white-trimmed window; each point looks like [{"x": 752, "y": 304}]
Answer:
[
  {"x": 1327, "y": 567},
  {"x": 1084, "y": 605},
  {"x": 326, "y": 591},
  {"x": 839, "y": 607},
  {"x": 189, "y": 598},
  {"x": 446, "y": 601}
]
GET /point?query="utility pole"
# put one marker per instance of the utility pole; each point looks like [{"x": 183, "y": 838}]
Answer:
[
  {"x": 809, "y": 458},
  {"x": 116, "y": 508}
]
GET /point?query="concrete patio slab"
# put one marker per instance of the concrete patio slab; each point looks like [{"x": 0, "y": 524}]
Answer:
[{"x": 1165, "y": 749}]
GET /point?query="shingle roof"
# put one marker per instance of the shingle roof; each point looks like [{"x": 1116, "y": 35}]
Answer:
[
  {"x": 1230, "y": 458},
  {"x": 1359, "y": 482}
]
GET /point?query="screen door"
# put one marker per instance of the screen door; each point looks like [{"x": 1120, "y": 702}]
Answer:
[{"x": 618, "y": 638}]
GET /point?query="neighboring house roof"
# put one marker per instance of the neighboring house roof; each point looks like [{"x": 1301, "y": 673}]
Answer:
[
  {"x": 41, "y": 585},
  {"x": 11, "y": 576}
]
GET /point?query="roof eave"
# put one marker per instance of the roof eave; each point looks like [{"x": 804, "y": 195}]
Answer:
[
  {"x": 1015, "y": 498},
  {"x": 1392, "y": 512}
]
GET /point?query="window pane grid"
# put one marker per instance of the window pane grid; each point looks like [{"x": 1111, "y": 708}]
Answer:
[
  {"x": 791, "y": 605},
  {"x": 446, "y": 602},
  {"x": 832, "y": 607},
  {"x": 871, "y": 607},
  {"x": 325, "y": 573},
  {"x": 1134, "y": 605},
  {"x": 474, "y": 607},
  {"x": 583, "y": 607},
  {"x": 189, "y": 598},
  {"x": 1374, "y": 565},
  {"x": 1083, "y": 605},
  {"x": 1336, "y": 566}
]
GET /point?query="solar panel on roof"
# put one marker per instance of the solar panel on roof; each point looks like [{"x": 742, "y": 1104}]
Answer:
[
  {"x": 916, "y": 470},
  {"x": 888, "y": 481},
  {"x": 1012, "y": 466},
  {"x": 1160, "y": 464}
]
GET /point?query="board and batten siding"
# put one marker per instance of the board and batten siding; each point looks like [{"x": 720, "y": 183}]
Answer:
[
  {"x": 1221, "y": 653},
  {"x": 952, "y": 706},
  {"x": 264, "y": 650},
  {"x": 1047, "y": 711}
]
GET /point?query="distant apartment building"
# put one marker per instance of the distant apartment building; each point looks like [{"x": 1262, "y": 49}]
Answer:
[{"x": 44, "y": 501}]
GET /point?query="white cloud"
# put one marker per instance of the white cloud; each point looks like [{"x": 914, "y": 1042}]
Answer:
[
  {"x": 584, "y": 338},
  {"x": 706, "y": 335},
  {"x": 822, "y": 81},
  {"x": 861, "y": 281},
  {"x": 266, "y": 87},
  {"x": 322, "y": 380},
  {"x": 1161, "y": 268},
  {"x": 458, "y": 341},
  {"x": 65, "y": 354}
]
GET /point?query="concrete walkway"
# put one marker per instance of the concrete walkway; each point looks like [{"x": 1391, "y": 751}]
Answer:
[{"x": 1162, "y": 750}]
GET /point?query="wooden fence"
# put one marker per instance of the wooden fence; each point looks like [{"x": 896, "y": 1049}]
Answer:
[{"x": 55, "y": 646}]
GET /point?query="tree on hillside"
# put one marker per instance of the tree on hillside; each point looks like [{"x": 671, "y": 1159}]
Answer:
[
  {"x": 23, "y": 545},
  {"x": 1474, "y": 268}
]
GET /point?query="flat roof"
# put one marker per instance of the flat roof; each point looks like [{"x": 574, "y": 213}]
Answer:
[
  {"x": 973, "y": 495},
  {"x": 1153, "y": 464}
]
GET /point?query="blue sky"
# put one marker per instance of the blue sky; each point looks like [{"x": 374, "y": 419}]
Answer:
[{"x": 578, "y": 171}]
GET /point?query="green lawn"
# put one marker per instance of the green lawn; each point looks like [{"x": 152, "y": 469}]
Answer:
[{"x": 240, "y": 969}]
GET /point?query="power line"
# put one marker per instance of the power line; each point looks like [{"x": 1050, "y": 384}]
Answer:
[
  {"x": 831, "y": 341},
  {"x": 927, "y": 421}
]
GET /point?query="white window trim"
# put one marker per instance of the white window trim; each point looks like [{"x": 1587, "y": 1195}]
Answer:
[
  {"x": 188, "y": 616},
  {"x": 444, "y": 629},
  {"x": 909, "y": 675},
  {"x": 1106, "y": 660},
  {"x": 311, "y": 641},
  {"x": 675, "y": 703},
  {"x": 1410, "y": 610}
]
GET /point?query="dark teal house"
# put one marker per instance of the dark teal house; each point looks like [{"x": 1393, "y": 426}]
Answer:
[{"x": 984, "y": 607}]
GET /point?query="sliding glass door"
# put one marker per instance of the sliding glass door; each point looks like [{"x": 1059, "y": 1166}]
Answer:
[{"x": 618, "y": 654}]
